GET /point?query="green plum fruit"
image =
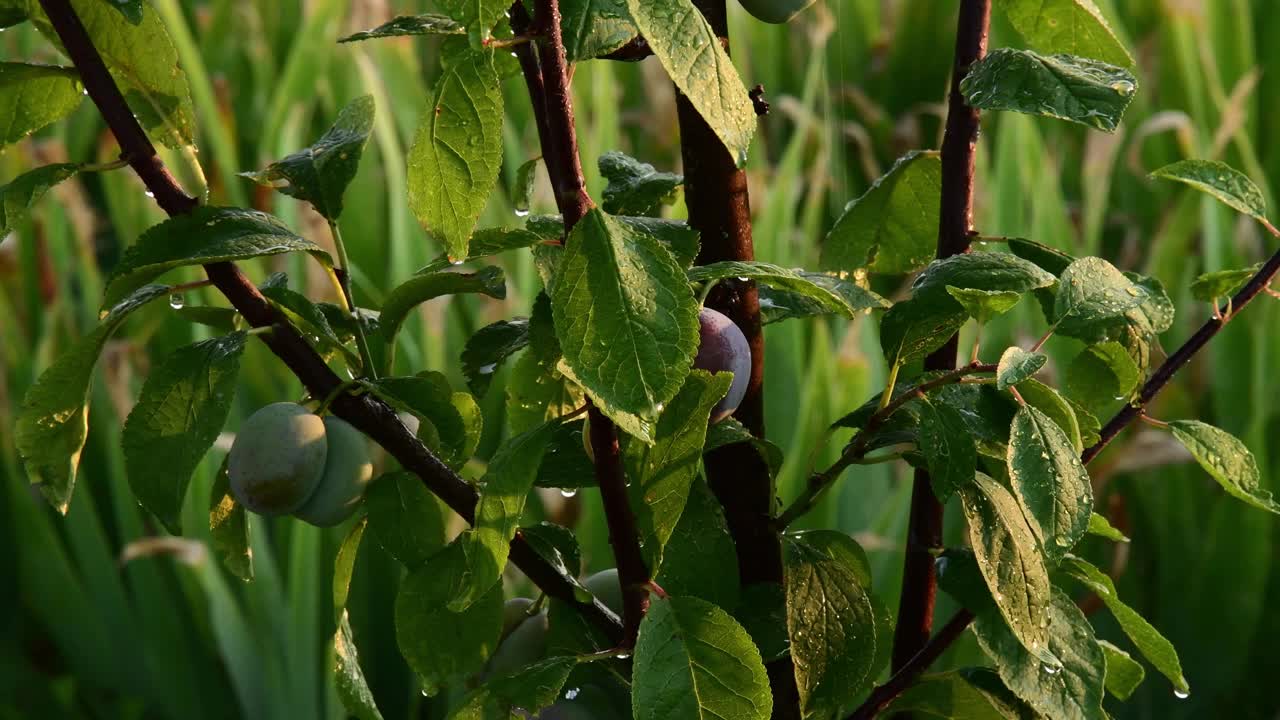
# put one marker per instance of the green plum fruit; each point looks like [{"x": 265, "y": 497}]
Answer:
[
  {"x": 607, "y": 588},
  {"x": 721, "y": 347},
  {"x": 514, "y": 612},
  {"x": 524, "y": 645},
  {"x": 775, "y": 11},
  {"x": 277, "y": 459},
  {"x": 348, "y": 469}
]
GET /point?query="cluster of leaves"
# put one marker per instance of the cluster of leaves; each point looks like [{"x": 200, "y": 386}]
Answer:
[{"x": 616, "y": 323}]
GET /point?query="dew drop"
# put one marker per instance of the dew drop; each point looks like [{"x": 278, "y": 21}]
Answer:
[
  {"x": 623, "y": 655},
  {"x": 522, "y": 212},
  {"x": 456, "y": 263},
  {"x": 571, "y": 693},
  {"x": 487, "y": 369},
  {"x": 177, "y": 301},
  {"x": 568, "y": 492},
  {"x": 1181, "y": 694},
  {"x": 149, "y": 194},
  {"x": 1051, "y": 669}
]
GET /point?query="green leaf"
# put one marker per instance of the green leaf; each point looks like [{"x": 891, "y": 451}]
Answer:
[
  {"x": 222, "y": 319},
  {"x": 476, "y": 15},
  {"x": 503, "y": 492},
  {"x": 566, "y": 464},
  {"x": 519, "y": 694},
  {"x": 428, "y": 397},
  {"x": 948, "y": 448},
  {"x": 20, "y": 194},
  {"x": 522, "y": 191},
  {"x": 426, "y": 24},
  {"x": 182, "y": 408},
  {"x": 12, "y": 12},
  {"x": 1100, "y": 526},
  {"x": 229, "y": 527},
  {"x": 1059, "y": 86},
  {"x": 594, "y": 27},
  {"x": 1071, "y": 691},
  {"x": 831, "y": 623},
  {"x": 822, "y": 293},
  {"x": 457, "y": 150},
  {"x": 130, "y": 9},
  {"x": 144, "y": 62},
  {"x": 635, "y": 188},
  {"x": 1059, "y": 409},
  {"x": 950, "y": 696},
  {"x": 205, "y": 235},
  {"x": 557, "y": 546},
  {"x": 1017, "y": 365},
  {"x": 1049, "y": 481},
  {"x": 979, "y": 271},
  {"x": 1050, "y": 259},
  {"x": 893, "y": 227},
  {"x": 321, "y": 173},
  {"x": 730, "y": 431},
  {"x": 33, "y": 96},
  {"x": 405, "y": 518},
  {"x": 439, "y": 644},
  {"x": 489, "y": 348},
  {"x": 344, "y": 566},
  {"x": 1228, "y": 185},
  {"x": 660, "y": 474},
  {"x": 537, "y": 391},
  {"x": 1211, "y": 286},
  {"x": 1075, "y": 27},
  {"x": 679, "y": 238},
  {"x": 982, "y": 305},
  {"x": 1154, "y": 647},
  {"x": 1225, "y": 458},
  {"x": 625, "y": 317},
  {"x": 311, "y": 321},
  {"x": 700, "y": 559},
  {"x": 420, "y": 288},
  {"x": 778, "y": 303},
  {"x": 1124, "y": 674},
  {"x": 1010, "y": 562},
  {"x": 694, "y": 661},
  {"x": 52, "y": 425},
  {"x": 349, "y": 680},
  {"x": 914, "y": 328},
  {"x": 1092, "y": 289},
  {"x": 687, "y": 46},
  {"x": 486, "y": 242},
  {"x": 1101, "y": 375}
]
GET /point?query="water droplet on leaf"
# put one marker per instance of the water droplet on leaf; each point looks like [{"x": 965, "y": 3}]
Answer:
[{"x": 177, "y": 301}]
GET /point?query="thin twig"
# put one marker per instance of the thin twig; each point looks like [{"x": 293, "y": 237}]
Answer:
[{"x": 368, "y": 414}]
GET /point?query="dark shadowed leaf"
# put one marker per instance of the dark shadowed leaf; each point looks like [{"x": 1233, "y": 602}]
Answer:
[
  {"x": 489, "y": 348},
  {"x": 701, "y": 560},
  {"x": 635, "y": 188},
  {"x": 405, "y": 518},
  {"x": 517, "y": 694}
]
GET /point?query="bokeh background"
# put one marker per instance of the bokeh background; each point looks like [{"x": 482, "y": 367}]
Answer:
[{"x": 853, "y": 84}]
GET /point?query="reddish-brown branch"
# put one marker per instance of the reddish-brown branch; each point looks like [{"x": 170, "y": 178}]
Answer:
[
  {"x": 365, "y": 412},
  {"x": 924, "y": 528},
  {"x": 902, "y": 679},
  {"x": 560, "y": 147},
  {"x": 720, "y": 210}
]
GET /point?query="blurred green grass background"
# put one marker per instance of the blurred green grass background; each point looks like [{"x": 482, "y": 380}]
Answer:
[{"x": 853, "y": 84}]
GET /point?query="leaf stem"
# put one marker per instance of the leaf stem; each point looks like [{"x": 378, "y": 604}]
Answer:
[{"x": 344, "y": 288}]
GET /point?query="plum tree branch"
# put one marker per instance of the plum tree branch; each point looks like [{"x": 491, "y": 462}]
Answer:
[
  {"x": 719, "y": 204},
  {"x": 560, "y": 147},
  {"x": 368, "y": 414},
  {"x": 955, "y": 226}
]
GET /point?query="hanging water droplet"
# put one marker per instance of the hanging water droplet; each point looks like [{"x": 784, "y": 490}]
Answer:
[
  {"x": 1181, "y": 694},
  {"x": 571, "y": 693},
  {"x": 568, "y": 492},
  {"x": 177, "y": 301},
  {"x": 522, "y": 212},
  {"x": 1051, "y": 669},
  {"x": 487, "y": 369},
  {"x": 623, "y": 655},
  {"x": 456, "y": 263},
  {"x": 149, "y": 194}
]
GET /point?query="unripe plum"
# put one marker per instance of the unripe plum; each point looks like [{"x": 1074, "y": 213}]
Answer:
[
  {"x": 277, "y": 459},
  {"x": 514, "y": 612},
  {"x": 347, "y": 472},
  {"x": 721, "y": 347},
  {"x": 607, "y": 588},
  {"x": 775, "y": 11},
  {"x": 524, "y": 645}
]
